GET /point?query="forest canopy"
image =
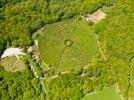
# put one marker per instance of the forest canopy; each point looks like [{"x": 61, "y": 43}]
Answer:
[{"x": 112, "y": 62}]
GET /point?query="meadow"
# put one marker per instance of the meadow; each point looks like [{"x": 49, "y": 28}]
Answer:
[
  {"x": 108, "y": 93},
  {"x": 69, "y": 44},
  {"x": 13, "y": 64}
]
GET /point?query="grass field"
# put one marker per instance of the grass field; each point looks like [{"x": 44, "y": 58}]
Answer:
[
  {"x": 107, "y": 93},
  {"x": 67, "y": 44},
  {"x": 12, "y": 64}
]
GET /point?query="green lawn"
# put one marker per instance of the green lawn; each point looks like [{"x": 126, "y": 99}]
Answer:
[
  {"x": 12, "y": 64},
  {"x": 55, "y": 52},
  {"x": 107, "y": 93}
]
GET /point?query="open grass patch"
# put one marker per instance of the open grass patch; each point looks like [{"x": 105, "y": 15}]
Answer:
[
  {"x": 108, "y": 93},
  {"x": 12, "y": 64},
  {"x": 67, "y": 44}
]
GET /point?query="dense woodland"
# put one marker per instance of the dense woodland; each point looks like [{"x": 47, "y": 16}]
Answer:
[
  {"x": 20, "y": 86},
  {"x": 19, "y": 19}
]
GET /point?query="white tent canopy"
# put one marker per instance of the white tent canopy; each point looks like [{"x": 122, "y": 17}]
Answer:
[
  {"x": 12, "y": 52},
  {"x": 96, "y": 16}
]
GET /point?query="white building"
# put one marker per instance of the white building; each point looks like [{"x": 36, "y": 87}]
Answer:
[
  {"x": 12, "y": 52},
  {"x": 96, "y": 16}
]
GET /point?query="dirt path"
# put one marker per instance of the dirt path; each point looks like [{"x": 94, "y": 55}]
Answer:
[
  {"x": 44, "y": 87},
  {"x": 119, "y": 92},
  {"x": 40, "y": 78},
  {"x": 56, "y": 76},
  {"x": 98, "y": 43},
  {"x": 36, "y": 43}
]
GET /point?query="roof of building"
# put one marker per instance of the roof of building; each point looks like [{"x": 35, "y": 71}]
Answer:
[
  {"x": 12, "y": 52},
  {"x": 96, "y": 16}
]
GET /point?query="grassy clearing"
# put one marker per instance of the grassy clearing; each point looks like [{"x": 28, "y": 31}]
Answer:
[
  {"x": 107, "y": 93},
  {"x": 54, "y": 50},
  {"x": 12, "y": 64}
]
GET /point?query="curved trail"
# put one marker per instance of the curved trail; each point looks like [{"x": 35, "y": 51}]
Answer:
[
  {"x": 40, "y": 78},
  {"x": 56, "y": 76},
  {"x": 118, "y": 90},
  {"x": 44, "y": 87},
  {"x": 98, "y": 43}
]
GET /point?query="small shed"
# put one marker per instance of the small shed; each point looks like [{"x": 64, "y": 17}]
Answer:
[{"x": 96, "y": 16}]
